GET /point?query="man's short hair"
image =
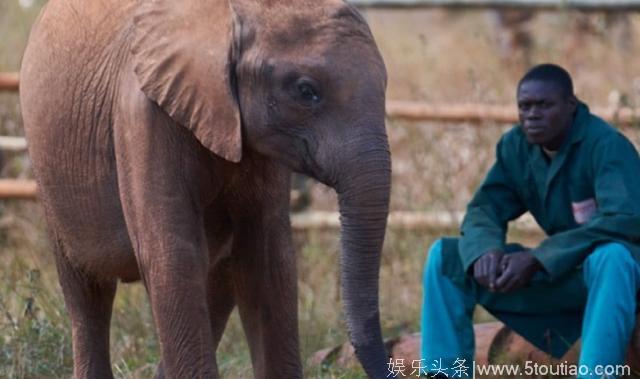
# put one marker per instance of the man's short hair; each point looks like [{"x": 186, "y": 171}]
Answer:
[{"x": 549, "y": 72}]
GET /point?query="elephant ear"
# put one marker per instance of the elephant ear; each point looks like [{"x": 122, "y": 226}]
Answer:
[{"x": 182, "y": 59}]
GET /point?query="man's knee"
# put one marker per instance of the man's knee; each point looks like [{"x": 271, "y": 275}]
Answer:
[
  {"x": 612, "y": 256},
  {"x": 433, "y": 263}
]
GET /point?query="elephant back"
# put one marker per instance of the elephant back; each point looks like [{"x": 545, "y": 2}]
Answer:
[{"x": 69, "y": 73}]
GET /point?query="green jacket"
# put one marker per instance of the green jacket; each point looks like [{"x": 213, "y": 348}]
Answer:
[{"x": 588, "y": 194}]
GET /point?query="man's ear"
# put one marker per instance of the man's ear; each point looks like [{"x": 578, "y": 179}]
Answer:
[{"x": 183, "y": 58}]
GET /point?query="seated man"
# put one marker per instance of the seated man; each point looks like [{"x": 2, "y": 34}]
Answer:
[{"x": 580, "y": 179}]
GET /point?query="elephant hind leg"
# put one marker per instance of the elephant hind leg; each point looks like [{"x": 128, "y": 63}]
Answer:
[{"x": 89, "y": 301}]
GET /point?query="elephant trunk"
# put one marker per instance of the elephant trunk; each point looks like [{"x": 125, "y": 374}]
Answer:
[{"x": 363, "y": 189}]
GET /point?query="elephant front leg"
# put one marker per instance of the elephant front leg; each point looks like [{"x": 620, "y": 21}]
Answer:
[
  {"x": 167, "y": 233},
  {"x": 89, "y": 302},
  {"x": 164, "y": 186},
  {"x": 220, "y": 301},
  {"x": 175, "y": 276},
  {"x": 266, "y": 293}
]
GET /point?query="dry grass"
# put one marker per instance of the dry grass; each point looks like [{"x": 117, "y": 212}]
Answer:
[{"x": 431, "y": 55}]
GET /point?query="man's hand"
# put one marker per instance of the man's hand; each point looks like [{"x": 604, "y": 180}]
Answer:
[
  {"x": 517, "y": 269},
  {"x": 487, "y": 268}
]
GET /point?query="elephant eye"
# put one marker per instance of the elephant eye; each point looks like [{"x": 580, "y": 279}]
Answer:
[{"x": 307, "y": 92}]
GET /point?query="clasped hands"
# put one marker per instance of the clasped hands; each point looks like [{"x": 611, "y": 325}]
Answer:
[{"x": 501, "y": 272}]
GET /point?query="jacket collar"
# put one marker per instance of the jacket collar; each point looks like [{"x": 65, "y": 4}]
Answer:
[
  {"x": 545, "y": 173},
  {"x": 579, "y": 126}
]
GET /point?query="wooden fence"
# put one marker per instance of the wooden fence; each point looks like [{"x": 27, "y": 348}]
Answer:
[{"x": 412, "y": 111}]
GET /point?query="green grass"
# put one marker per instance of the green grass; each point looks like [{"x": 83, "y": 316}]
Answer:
[
  {"x": 34, "y": 334},
  {"x": 34, "y": 328}
]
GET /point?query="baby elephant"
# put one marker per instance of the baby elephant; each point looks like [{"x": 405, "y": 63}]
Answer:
[{"x": 163, "y": 135}]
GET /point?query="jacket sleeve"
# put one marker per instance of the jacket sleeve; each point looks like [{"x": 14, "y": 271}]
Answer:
[
  {"x": 494, "y": 204},
  {"x": 616, "y": 170}
]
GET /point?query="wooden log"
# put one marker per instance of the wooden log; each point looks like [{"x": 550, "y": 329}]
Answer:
[
  {"x": 13, "y": 143},
  {"x": 476, "y": 113},
  {"x": 18, "y": 189},
  {"x": 496, "y": 344},
  {"x": 582, "y": 5},
  {"x": 405, "y": 220},
  {"x": 417, "y": 111},
  {"x": 9, "y": 81}
]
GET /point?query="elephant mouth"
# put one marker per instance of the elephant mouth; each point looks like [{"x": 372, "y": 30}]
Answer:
[{"x": 309, "y": 164}]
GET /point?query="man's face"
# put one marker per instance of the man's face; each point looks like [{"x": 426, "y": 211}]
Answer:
[{"x": 545, "y": 112}]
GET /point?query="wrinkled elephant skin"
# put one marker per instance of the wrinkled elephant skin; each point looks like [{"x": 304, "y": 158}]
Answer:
[{"x": 163, "y": 135}]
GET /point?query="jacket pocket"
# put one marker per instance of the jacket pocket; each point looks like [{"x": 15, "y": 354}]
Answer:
[{"x": 583, "y": 203}]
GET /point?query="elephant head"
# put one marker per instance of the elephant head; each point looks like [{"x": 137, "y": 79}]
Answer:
[{"x": 301, "y": 82}]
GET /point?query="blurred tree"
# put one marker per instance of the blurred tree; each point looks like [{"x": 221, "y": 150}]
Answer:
[{"x": 513, "y": 36}]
